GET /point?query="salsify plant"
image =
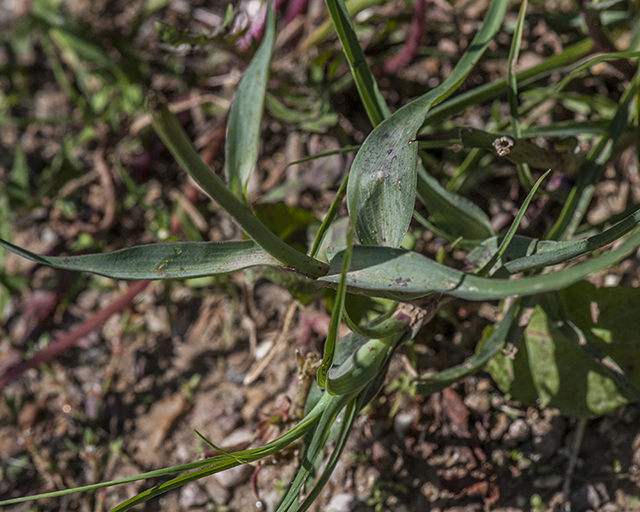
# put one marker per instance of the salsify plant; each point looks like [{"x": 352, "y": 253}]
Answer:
[{"x": 388, "y": 173}]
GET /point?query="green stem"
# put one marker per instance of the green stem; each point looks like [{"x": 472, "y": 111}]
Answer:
[
  {"x": 176, "y": 140},
  {"x": 497, "y": 87}
]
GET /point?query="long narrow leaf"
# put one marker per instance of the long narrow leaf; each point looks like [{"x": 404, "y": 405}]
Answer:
[
  {"x": 350, "y": 415},
  {"x": 315, "y": 448},
  {"x": 160, "y": 261},
  {"x": 223, "y": 462},
  {"x": 529, "y": 253},
  {"x": 382, "y": 182},
  {"x": 176, "y": 140},
  {"x": 492, "y": 346},
  {"x": 336, "y": 314},
  {"x": 245, "y": 116},
  {"x": 394, "y": 273},
  {"x": 512, "y": 90},
  {"x": 581, "y": 194},
  {"x": 373, "y": 102},
  {"x": 488, "y": 91},
  {"x": 504, "y": 244}
]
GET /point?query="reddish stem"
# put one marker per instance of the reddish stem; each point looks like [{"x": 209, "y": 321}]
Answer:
[
  {"x": 70, "y": 339},
  {"x": 412, "y": 43}
]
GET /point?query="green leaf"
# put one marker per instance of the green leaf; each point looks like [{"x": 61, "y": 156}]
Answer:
[
  {"x": 160, "y": 261},
  {"x": 336, "y": 314},
  {"x": 382, "y": 181},
  {"x": 245, "y": 116},
  {"x": 580, "y": 196},
  {"x": 485, "y": 352},
  {"x": 609, "y": 319},
  {"x": 284, "y": 220},
  {"x": 176, "y": 140},
  {"x": 359, "y": 369},
  {"x": 551, "y": 369},
  {"x": 372, "y": 100},
  {"x": 394, "y": 273},
  {"x": 524, "y": 173},
  {"x": 508, "y": 238},
  {"x": 529, "y": 253},
  {"x": 453, "y": 213}
]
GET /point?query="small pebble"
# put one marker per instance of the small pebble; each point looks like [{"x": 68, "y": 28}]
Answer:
[
  {"x": 342, "y": 502},
  {"x": 192, "y": 495},
  {"x": 403, "y": 421},
  {"x": 585, "y": 498},
  {"x": 478, "y": 402},
  {"x": 548, "y": 482},
  {"x": 547, "y": 435},
  {"x": 518, "y": 432}
]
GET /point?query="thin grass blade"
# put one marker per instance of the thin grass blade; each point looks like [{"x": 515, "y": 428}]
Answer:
[
  {"x": 525, "y": 253},
  {"x": 350, "y": 415},
  {"x": 581, "y": 194},
  {"x": 524, "y": 172},
  {"x": 504, "y": 244},
  {"x": 336, "y": 315},
  {"x": 315, "y": 448},
  {"x": 373, "y": 102},
  {"x": 331, "y": 215},
  {"x": 493, "y": 89},
  {"x": 223, "y": 462}
]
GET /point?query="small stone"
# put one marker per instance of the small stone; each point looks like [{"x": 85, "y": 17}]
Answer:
[
  {"x": 501, "y": 426},
  {"x": 478, "y": 402},
  {"x": 269, "y": 501},
  {"x": 342, "y": 502},
  {"x": 238, "y": 437},
  {"x": 430, "y": 491},
  {"x": 234, "y": 476},
  {"x": 403, "y": 421},
  {"x": 216, "y": 492},
  {"x": 548, "y": 482},
  {"x": 518, "y": 432},
  {"x": 635, "y": 446},
  {"x": 192, "y": 495},
  {"x": 585, "y": 498},
  {"x": 547, "y": 435}
]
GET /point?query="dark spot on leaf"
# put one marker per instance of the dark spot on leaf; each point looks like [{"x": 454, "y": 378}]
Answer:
[
  {"x": 66, "y": 260},
  {"x": 181, "y": 268},
  {"x": 389, "y": 151},
  {"x": 401, "y": 281}
]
